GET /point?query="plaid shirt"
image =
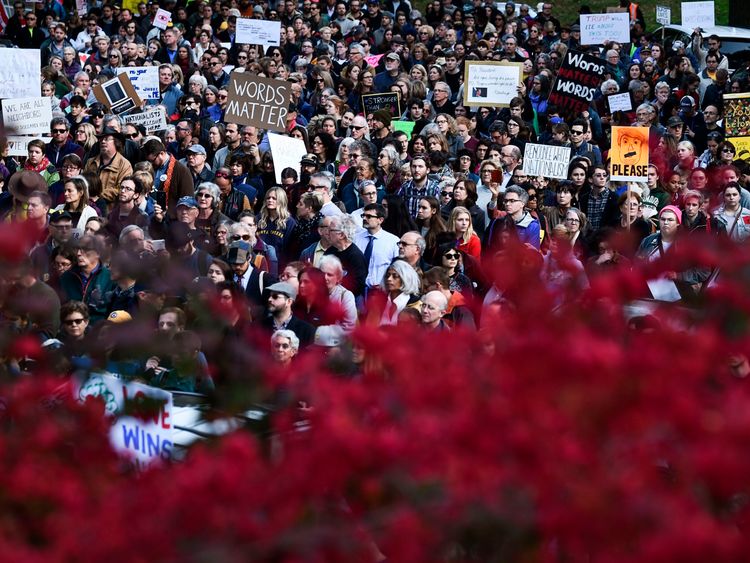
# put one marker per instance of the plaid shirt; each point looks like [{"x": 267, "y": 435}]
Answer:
[
  {"x": 412, "y": 194},
  {"x": 596, "y": 206}
]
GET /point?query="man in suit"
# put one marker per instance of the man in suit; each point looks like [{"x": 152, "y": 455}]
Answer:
[
  {"x": 252, "y": 280},
  {"x": 281, "y": 297}
]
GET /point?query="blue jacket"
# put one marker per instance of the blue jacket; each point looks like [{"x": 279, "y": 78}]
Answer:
[{"x": 169, "y": 99}]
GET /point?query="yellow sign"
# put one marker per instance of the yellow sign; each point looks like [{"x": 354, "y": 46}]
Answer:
[{"x": 629, "y": 154}]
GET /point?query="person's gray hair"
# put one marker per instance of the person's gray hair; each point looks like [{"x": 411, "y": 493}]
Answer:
[
  {"x": 345, "y": 224},
  {"x": 58, "y": 121},
  {"x": 393, "y": 156},
  {"x": 515, "y": 152},
  {"x": 636, "y": 85},
  {"x": 330, "y": 260},
  {"x": 82, "y": 73},
  {"x": 409, "y": 277},
  {"x": 289, "y": 335},
  {"x": 364, "y": 146},
  {"x": 520, "y": 192},
  {"x": 211, "y": 188},
  {"x": 357, "y": 47},
  {"x": 421, "y": 242},
  {"x": 429, "y": 129},
  {"x": 612, "y": 52},
  {"x": 645, "y": 106},
  {"x": 440, "y": 297},
  {"x": 446, "y": 86},
  {"x": 111, "y": 119},
  {"x": 328, "y": 177},
  {"x": 662, "y": 85},
  {"x": 607, "y": 84},
  {"x": 198, "y": 79},
  {"x": 129, "y": 229},
  {"x": 366, "y": 184},
  {"x": 446, "y": 181}
]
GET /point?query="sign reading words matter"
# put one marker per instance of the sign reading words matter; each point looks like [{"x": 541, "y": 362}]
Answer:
[
  {"x": 698, "y": 14},
  {"x": 27, "y": 116},
  {"x": 577, "y": 81},
  {"x": 488, "y": 84},
  {"x": 546, "y": 160},
  {"x": 629, "y": 154},
  {"x": 258, "y": 32},
  {"x": 258, "y": 101},
  {"x": 19, "y": 73},
  {"x": 598, "y": 29}
]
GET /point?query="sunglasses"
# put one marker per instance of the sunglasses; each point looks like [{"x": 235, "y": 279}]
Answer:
[
  {"x": 71, "y": 322},
  {"x": 203, "y": 195},
  {"x": 242, "y": 237},
  {"x": 451, "y": 255},
  {"x": 59, "y": 130},
  {"x": 221, "y": 175},
  {"x": 446, "y": 194}
]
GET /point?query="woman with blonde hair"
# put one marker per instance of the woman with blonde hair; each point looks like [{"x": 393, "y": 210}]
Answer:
[
  {"x": 275, "y": 223},
  {"x": 418, "y": 73},
  {"x": 460, "y": 224}
]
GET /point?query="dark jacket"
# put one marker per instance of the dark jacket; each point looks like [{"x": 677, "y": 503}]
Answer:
[
  {"x": 304, "y": 330},
  {"x": 611, "y": 212},
  {"x": 55, "y": 155},
  {"x": 95, "y": 291}
]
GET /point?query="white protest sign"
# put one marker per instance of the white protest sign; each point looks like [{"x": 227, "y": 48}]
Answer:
[
  {"x": 546, "y": 160},
  {"x": 698, "y": 14},
  {"x": 19, "y": 73},
  {"x": 491, "y": 84},
  {"x": 145, "y": 81},
  {"x": 258, "y": 32},
  {"x": 162, "y": 18},
  {"x": 19, "y": 146},
  {"x": 152, "y": 119},
  {"x": 598, "y": 29},
  {"x": 620, "y": 102},
  {"x": 663, "y": 15},
  {"x": 146, "y": 439},
  {"x": 27, "y": 116},
  {"x": 287, "y": 152},
  {"x": 82, "y": 7}
]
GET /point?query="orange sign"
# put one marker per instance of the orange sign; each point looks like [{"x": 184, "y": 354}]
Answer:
[{"x": 629, "y": 154}]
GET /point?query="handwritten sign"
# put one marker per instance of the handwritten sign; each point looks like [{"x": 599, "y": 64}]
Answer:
[
  {"x": 82, "y": 7},
  {"x": 258, "y": 101},
  {"x": 698, "y": 14},
  {"x": 577, "y": 81},
  {"x": 546, "y": 160},
  {"x": 598, "y": 29},
  {"x": 19, "y": 145},
  {"x": 387, "y": 100},
  {"x": 145, "y": 439},
  {"x": 629, "y": 154},
  {"x": 162, "y": 19},
  {"x": 663, "y": 15},
  {"x": 373, "y": 60},
  {"x": 19, "y": 73},
  {"x": 490, "y": 84},
  {"x": 153, "y": 119},
  {"x": 619, "y": 102},
  {"x": 258, "y": 32},
  {"x": 737, "y": 120},
  {"x": 287, "y": 152},
  {"x": 145, "y": 81},
  {"x": 27, "y": 116}
]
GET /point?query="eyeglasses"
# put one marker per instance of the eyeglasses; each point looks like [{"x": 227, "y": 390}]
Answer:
[
  {"x": 451, "y": 255},
  {"x": 71, "y": 167},
  {"x": 402, "y": 243},
  {"x": 203, "y": 195},
  {"x": 132, "y": 135},
  {"x": 727, "y": 150},
  {"x": 221, "y": 175},
  {"x": 71, "y": 322},
  {"x": 601, "y": 175},
  {"x": 240, "y": 237},
  {"x": 223, "y": 96},
  {"x": 576, "y": 132},
  {"x": 446, "y": 194},
  {"x": 572, "y": 220},
  {"x": 357, "y": 128},
  {"x": 59, "y": 131},
  {"x": 507, "y": 201},
  {"x": 277, "y": 296},
  {"x": 127, "y": 188}
]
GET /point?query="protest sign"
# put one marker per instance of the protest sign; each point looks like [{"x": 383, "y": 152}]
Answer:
[
  {"x": 162, "y": 19},
  {"x": 258, "y": 101},
  {"x": 373, "y": 60},
  {"x": 117, "y": 94},
  {"x": 737, "y": 120},
  {"x": 546, "y": 160},
  {"x": 629, "y": 154},
  {"x": 619, "y": 102},
  {"x": 145, "y": 439},
  {"x": 82, "y": 7},
  {"x": 258, "y": 32},
  {"x": 489, "y": 84},
  {"x": 698, "y": 14},
  {"x": 577, "y": 82},
  {"x": 287, "y": 152},
  {"x": 19, "y": 145},
  {"x": 19, "y": 73},
  {"x": 387, "y": 100},
  {"x": 152, "y": 119},
  {"x": 145, "y": 81},
  {"x": 405, "y": 126},
  {"x": 598, "y": 29},
  {"x": 663, "y": 15},
  {"x": 27, "y": 116}
]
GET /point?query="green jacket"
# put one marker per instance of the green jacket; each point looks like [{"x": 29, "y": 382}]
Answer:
[{"x": 96, "y": 290}]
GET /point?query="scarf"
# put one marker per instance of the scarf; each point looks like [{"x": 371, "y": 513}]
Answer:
[{"x": 40, "y": 168}]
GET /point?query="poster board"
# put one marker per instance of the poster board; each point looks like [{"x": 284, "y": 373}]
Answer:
[
  {"x": 152, "y": 119},
  {"x": 258, "y": 101},
  {"x": 620, "y": 102},
  {"x": 629, "y": 154},
  {"x": 546, "y": 160},
  {"x": 598, "y": 29},
  {"x": 698, "y": 14},
  {"x": 405, "y": 126},
  {"x": 145, "y": 81},
  {"x": 117, "y": 94},
  {"x": 287, "y": 152},
  {"x": 491, "y": 84},
  {"x": 387, "y": 100},
  {"x": 162, "y": 19},
  {"x": 737, "y": 120},
  {"x": 663, "y": 15},
  {"x": 19, "y": 73},
  {"x": 577, "y": 81},
  {"x": 18, "y": 145},
  {"x": 27, "y": 116},
  {"x": 258, "y": 32}
]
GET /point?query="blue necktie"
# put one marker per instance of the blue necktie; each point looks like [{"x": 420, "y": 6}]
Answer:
[{"x": 368, "y": 249}]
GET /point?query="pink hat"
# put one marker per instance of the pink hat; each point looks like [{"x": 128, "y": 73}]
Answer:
[{"x": 674, "y": 209}]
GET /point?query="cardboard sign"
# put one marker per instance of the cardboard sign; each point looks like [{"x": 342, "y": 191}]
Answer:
[
  {"x": 387, "y": 100},
  {"x": 162, "y": 19},
  {"x": 145, "y": 440},
  {"x": 153, "y": 119},
  {"x": 546, "y": 160},
  {"x": 258, "y": 32},
  {"x": 27, "y": 116},
  {"x": 19, "y": 146},
  {"x": 598, "y": 29},
  {"x": 577, "y": 81},
  {"x": 737, "y": 120},
  {"x": 19, "y": 73},
  {"x": 698, "y": 14},
  {"x": 663, "y": 15},
  {"x": 258, "y": 101},
  {"x": 620, "y": 102},
  {"x": 629, "y": 154},
  {"x": 117, "y": 94},
  {"x": 145, "y": 81},
  {"x": 287, "y": 152},
  {"x": 490, "y": 84},
  {"x": 405, "y": 126}
]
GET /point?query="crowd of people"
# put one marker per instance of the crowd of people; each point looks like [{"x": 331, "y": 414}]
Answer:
[{"x": 188, "y": 228}]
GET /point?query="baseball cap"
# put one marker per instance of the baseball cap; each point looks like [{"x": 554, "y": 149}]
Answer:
[
  {"x": 687, "y": 102},
  {"x": 118, "y": 317},
  {"x": 393, "y": 56},
  {"x": 674, "y": 121},
  {"x": 283, "y": 288},
  {"x": 197, "y": 149},
  {"x": 187, "y": 201}
]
